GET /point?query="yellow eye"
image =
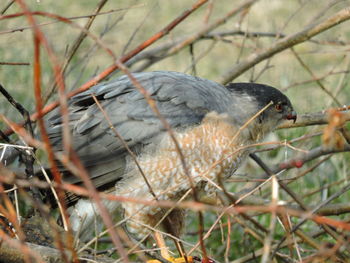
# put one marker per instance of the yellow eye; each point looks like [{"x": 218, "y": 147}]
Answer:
[{"x": 278, "y": 107}]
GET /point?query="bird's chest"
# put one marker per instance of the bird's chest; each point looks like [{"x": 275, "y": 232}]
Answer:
[
  {"x": 212, "y": 150},
  {"x": 200, "y": 157},
  {"x": 207, "y": 153}
]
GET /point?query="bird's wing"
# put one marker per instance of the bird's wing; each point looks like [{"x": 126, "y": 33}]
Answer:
[{"x": 182, "y": 99}]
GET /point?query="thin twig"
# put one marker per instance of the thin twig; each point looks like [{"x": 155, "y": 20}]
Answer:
[
  {"x": 15, "y": 63},
  {"x": 123, "y": 59},
  {"x": 285, "y": 43},
  {"x": 316, "y": 118},
  {"x": 318, "y": 82},
  {"x": 21, "y": 29},
  {"x": 10, "y": 3},
  {"x": 76, "y": 44}
]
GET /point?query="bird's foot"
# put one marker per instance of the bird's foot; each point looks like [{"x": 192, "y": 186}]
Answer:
[
  {"x": 184, "y": 260},
  {"x": 175, "y": 260}
]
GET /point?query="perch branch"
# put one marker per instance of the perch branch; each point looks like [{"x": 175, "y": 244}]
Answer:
[
  {"x": 10, "y": 254},
  {"x": 284, "y": 44},
  {"x": 308, "y": 119}
]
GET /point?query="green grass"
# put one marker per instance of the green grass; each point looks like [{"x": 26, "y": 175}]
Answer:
[{"x": 151, "y": 16}]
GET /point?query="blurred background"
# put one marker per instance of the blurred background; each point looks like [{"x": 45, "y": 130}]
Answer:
[
  {"x": 314, "y": 74},
  {"x": 132, "y": 22}
]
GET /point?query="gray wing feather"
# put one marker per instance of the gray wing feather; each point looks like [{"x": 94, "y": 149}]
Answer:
[{"x": 182, "y": 99}]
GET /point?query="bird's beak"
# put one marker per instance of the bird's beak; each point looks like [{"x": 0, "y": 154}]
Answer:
[{"x": 292, "y": 115}]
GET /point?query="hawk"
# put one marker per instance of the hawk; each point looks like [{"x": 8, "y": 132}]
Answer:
[{"x": 212, "y": 124}]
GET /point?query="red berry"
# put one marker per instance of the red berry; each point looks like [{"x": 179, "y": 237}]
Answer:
[{"x": 298, "y": 164}]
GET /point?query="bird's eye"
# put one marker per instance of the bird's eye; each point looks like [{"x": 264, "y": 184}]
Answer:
[{"x": 278, "y": 107}]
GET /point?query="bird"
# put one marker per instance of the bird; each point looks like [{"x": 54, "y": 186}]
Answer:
[{"x": 211, "y": 128}]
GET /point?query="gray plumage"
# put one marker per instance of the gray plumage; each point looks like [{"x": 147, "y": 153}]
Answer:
[{"x": 182, "y": 99}]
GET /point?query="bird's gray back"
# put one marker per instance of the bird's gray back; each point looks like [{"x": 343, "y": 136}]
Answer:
[{"x": 182, "y": 99}]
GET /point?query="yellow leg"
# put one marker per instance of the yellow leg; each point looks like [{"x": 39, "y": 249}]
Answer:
[{"x": 164, "y": 252}]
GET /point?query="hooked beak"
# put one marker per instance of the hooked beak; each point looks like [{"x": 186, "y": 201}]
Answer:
[{"x": 292, "y": 115}]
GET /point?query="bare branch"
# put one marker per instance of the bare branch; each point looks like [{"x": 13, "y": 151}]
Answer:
[
  {"x": 309, "y": 119},
  {"x": 285, "y": 43}
]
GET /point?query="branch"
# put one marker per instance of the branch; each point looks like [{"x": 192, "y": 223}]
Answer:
[
  {"x": 23, "y": 28},
  {"x": 334, "y": 209},
  {"x": 311, "y": 155},
  {"x": 284, "y": 44},
  {"x": 296, "y": 162},
  {"x": 162, "y": 51},
  {"x": 123, "y": 59},
  {"x": 10, "y": 254},
  {"x": 15, "y": 63},
  {"x": 3, "y": 11},
  {"x": 174, "y": 46},
  {"x": 73, "y": 49},
  {"x": 308, "y": 119}
]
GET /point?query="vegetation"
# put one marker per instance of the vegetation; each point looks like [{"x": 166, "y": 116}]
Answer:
[{"x": 296, "y": 210}]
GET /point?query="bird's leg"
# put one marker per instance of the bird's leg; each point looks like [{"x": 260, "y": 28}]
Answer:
[
  {"x": 180, "y": 248},
  {"x": 162, "y": 246},
  {"x": 165, "y": 252}
]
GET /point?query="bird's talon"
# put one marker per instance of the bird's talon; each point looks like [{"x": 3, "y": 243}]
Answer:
[{"x": 177, "y": 260}]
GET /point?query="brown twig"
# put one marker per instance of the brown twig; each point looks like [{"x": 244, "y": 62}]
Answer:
[
  {"x": 125, "y": 145},
  {"x": 65, "y": 115},
  {"x": 299, "y": 161},
  {"x": 21, "y": 29},
  {"x": 314, "y": 77},
  {"x": 10, "y": 254},
  {"x": 39, "y": 38},
  {"x": 77, "y": 43},
  {"x": 10, "y": 3},
  {"x": 171, "y": 133},
  {"x": 314, "y": 210},
  {"x": 294, "y": 196},
  {"x": 285, "y": 43},
  {"x": 15, "y": 63},
  {"x": 324, "y": 76},
  {"x": 64, "y": 20},
  {"x": 189, "y": 40},
  {"x": 123, "y": 59},
  {"x": 316, "y": 118},
  {"x": 27, "y": 156}
]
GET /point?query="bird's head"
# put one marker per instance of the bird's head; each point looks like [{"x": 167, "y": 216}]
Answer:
[{"x": 252, "y": 97}]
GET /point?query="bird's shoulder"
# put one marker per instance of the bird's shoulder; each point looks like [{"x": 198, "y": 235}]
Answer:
[{"x": 182, "y": 99}]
